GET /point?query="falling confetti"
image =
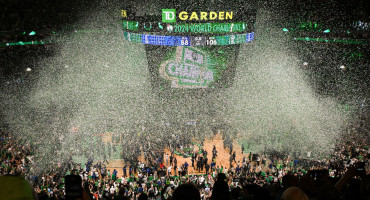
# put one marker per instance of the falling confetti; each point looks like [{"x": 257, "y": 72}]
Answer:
[{"x": 100, "y": 83}]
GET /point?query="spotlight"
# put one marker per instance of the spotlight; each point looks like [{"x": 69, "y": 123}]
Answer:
[
  {"x": 305, "y": 63},
  {"x": 28, "y": 69},
  {"x": 342, "y": 67}
]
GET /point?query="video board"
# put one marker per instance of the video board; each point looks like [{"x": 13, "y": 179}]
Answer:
[{"x": 191, "y": 66}]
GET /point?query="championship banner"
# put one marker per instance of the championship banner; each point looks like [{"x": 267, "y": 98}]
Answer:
[{"x": 191, "y": 66}]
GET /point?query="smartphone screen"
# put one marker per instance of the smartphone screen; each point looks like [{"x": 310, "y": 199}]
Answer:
[
  {"x": 73, "y": 187},
  {"x": 361, "y": 169}
]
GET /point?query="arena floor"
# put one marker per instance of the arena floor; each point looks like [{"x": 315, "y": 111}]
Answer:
[{"x": 222, "y": 159}]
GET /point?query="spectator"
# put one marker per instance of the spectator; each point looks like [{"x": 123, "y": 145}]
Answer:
[
  {"x": 221, "y": 189},
  {"x": 186, "y": 191},
  {"x": 15, "y": 188},
  {"x": 294, "y": 193}
]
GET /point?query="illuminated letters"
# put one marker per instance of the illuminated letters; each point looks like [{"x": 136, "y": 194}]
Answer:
[
  {"x": 168, "y": 15},
  {"x": 212, "y": 15},
  {"x": 194, "y": 16},
  {"x": 203, "y": 15},
  {"x": 221, "y": 15},
  {"x": 229, "y": 15},
  {"x": 124, "y": 13},
  {"x": 183, "y": 15}
]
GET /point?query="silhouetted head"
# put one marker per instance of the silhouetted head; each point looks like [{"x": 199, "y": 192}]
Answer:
[
  {"x": 221, "y": 177},
  {"x": 294, "y": 193},
  {"x": 185, "y": 192},
  {"x": 15, "y": 188},
  {"x": 328, "y": 192},
  {"x": 220, "y": 188},
  {"x": 143, "y": 196}
]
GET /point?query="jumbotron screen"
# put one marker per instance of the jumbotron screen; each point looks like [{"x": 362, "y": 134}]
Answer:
[
  {"x": 190, "y": 49},
  {"x": 191, "y": 66}
]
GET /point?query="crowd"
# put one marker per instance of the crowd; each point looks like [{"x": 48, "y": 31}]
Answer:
[{"x": 343, "y": 175}]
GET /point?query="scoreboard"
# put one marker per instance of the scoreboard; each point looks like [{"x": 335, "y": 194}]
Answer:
[
  {"x": 189, "y": 40},
  {"x": 190, "y": 49}
]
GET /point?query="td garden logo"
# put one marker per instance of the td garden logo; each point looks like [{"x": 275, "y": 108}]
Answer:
[{"x": 169, "y": 16}]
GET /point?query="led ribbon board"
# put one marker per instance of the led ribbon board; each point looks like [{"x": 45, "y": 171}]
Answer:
[
  {"x": 189, "y": 40},
  {"x": 191, "y": 28}
]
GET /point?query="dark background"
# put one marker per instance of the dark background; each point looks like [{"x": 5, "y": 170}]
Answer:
[{"x": 345, "y": 19}]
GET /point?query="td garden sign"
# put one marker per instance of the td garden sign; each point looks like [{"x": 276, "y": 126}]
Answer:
[
  {"x": 169, "y": 16},
  {"x": 181, "y": 27}
]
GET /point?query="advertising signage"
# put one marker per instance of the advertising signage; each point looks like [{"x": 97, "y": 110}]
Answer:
[
  {"x": 169, "y": 16},
  {"x": 197, "y": 28},
  {"x": 177, "y": 22},
  {"x": 193, "y": 16}
]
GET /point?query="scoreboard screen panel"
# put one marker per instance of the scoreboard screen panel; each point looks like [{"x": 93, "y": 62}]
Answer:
[{"x": 201, "y": 40}]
